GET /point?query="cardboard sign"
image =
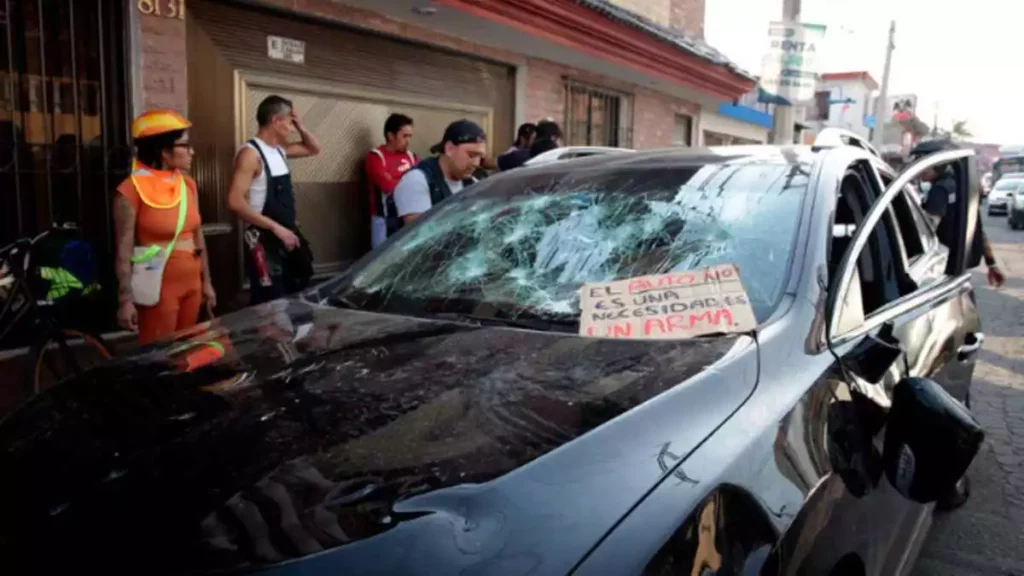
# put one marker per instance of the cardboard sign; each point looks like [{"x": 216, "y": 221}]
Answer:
[{"x": 670, "y": 306}]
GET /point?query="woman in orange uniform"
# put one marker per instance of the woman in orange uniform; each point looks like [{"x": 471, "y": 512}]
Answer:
[{"x": 161, "y": 260}]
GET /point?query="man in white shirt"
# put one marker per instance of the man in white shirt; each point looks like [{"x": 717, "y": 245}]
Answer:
[
  {"x": 261, "y": 195},
  {"x": 435, "y": 179}
]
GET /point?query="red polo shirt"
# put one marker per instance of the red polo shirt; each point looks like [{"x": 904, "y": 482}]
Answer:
[{"x": 384, "y": 169}]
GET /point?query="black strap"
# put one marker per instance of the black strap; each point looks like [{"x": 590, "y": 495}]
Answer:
[{"x": 266, "y": 165}]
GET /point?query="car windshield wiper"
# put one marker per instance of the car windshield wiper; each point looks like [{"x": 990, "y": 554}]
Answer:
[
  {"x": 339, "y": 301},
  {"x": 539, "y": 323}
]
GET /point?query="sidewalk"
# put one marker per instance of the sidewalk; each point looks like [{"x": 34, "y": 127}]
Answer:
[{"x": 985, "y": 538}]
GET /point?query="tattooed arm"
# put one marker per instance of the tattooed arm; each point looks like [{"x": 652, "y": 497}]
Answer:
[{"x": 124, "y": 226}]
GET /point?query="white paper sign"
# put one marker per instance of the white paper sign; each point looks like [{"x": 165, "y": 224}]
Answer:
[
  {"x": 287, "y": 49},
  {"x": 670, "y": 306}
]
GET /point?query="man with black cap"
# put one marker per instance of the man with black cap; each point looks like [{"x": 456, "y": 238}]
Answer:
[
  {"x": 939, "y": 184},
  {"x": 435, "y": 179}
]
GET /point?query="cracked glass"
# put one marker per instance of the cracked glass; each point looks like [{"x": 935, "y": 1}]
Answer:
[{"x": 520, "y": 246}]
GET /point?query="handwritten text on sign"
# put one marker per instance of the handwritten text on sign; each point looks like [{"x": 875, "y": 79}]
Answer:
[{"x": 667, "y": 306}]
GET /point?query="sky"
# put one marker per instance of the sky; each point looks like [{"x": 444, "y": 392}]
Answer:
[{"x": 963, "y": 61}]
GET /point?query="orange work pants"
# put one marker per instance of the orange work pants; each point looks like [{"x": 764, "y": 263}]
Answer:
[{"x": 181, "y": 295}]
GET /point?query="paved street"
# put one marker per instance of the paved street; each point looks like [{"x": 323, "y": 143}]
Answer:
[{"x": 986, "y": 536}]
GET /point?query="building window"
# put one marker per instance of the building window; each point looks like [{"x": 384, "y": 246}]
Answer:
[
  {"x": 682, "y": 135},
  {"x": 821, "y": 105},
  {"x": 716, "y": 139},
  {"x": 596, "y": 117}
]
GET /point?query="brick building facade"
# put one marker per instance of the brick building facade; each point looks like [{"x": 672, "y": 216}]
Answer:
[
  {"x": 611, "y": 72},
  {"x": 161, "y": 64}
]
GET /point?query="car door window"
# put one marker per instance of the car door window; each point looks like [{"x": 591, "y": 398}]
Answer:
[
  {"x": 886, "y": 278},
  {"x": 880, "y": 276},
  {"x": 917, "y": 234}
]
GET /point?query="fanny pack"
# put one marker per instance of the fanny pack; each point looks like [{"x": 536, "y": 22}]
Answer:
[{"x": 148, "y": 262}]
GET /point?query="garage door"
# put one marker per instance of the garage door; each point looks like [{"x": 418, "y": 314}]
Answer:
[{"x": 348, "y": 84}]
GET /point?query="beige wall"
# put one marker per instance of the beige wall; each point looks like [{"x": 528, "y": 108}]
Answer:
[{"x": 686, "y": 16}]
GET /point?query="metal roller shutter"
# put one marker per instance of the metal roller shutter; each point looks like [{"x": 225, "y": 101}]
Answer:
[{"x": 350, "y": 81}]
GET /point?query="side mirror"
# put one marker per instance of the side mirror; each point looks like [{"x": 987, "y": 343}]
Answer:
[{"x": 930, "y": 440}]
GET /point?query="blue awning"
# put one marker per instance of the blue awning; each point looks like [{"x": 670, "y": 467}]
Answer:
[
  {"x": 769, "y": 98},
  {"x": 746, "y": 114}
]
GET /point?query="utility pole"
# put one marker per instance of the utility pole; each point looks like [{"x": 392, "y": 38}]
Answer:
[
  {"x": 883, "y": 94},
  {"x": 785, "y": 116}
]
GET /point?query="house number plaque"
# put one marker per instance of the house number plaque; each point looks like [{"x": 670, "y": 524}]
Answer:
[{"x": 163, "y": 8}]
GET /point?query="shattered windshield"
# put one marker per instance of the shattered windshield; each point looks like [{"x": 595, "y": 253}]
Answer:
[{"x": 520, "y": 247}]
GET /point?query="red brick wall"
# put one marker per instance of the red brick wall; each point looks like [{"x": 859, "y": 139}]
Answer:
[
  {"x": 164, "y": 82},
  {"x": 688, "y": 16},
  {"x": 162, "y": 62},
  {"x": 653, "y": 112},
  {"x": 654, "y": 118}
]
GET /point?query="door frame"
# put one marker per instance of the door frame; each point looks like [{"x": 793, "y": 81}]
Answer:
[
  {"x": 848, "y": 264},
  {"x": 246, "y": 78}
]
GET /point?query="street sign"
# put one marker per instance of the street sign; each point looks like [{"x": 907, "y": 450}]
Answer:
[
  {"x": 790, "y": 66},
  {"x": 287, "y": 49}
]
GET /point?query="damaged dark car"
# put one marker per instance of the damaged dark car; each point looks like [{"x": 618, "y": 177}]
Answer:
[{"x": 436, "y": 409}]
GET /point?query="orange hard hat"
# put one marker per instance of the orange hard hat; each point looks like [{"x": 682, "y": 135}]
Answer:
[{"x": 153, "y": 122}]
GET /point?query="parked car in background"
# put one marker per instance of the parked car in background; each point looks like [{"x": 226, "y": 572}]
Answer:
[
  {"x": 1016, "y": 209},
  {"x": 449, "y": 406},
  {"x": 1005, "y": 188},
  {"x": 986, "y": 184},
  {"x": 1007, "y": 164}
]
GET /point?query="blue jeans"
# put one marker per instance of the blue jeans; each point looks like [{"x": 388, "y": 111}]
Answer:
[{"x": 378, "y": 231}]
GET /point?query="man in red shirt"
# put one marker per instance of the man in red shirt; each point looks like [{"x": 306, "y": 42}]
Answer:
[{"x": 385, "y": 166}]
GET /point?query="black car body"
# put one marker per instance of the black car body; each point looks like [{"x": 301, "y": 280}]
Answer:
[{"x": 405, "y": 418}]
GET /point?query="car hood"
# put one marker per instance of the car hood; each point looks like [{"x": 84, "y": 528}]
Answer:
[{"x": 292, "y": 430}]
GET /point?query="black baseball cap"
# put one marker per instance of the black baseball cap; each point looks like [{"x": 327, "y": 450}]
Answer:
[
  {"x": 932, "y": 146},
  {"x": 460, "y": 132}
]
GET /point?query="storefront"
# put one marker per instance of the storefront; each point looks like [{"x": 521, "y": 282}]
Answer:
[
  {"x": 608, "y": 77},
  {"x": 734, "y": 124},
  {"x": 344, "y": 83},
  {"x": 63, "y": 119}
]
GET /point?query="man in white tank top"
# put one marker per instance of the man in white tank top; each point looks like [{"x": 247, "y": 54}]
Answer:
[{"x": 261, "y": 193}]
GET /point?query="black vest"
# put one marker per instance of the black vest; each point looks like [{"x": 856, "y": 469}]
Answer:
[
  {"x": 439, "y": 190},
  {"x": 280, "y": 202}
]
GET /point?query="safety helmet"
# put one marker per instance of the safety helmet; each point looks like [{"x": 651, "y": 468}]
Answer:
[{"x": 153, "y": 122}]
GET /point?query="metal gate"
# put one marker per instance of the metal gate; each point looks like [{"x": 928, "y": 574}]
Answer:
[
  {"x": 64, "y": 137},
  {"x": 63, "y": 121},
  {"x": 597, "y": 117}
]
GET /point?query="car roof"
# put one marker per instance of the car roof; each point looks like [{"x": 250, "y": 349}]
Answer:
[
  {"x": 677, "y": 158},
  {"x": 570, "y": 152}
]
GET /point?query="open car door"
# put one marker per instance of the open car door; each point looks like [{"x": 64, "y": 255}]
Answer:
[{"x": 962, "y": 215}]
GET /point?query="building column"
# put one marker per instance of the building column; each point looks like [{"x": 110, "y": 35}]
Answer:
[
  {"x": 159, "y": 57},
  {"x": 522, "y": 73}
]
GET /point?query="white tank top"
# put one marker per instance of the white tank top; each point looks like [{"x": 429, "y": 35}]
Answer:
[{"x": 278, "y": 167}]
